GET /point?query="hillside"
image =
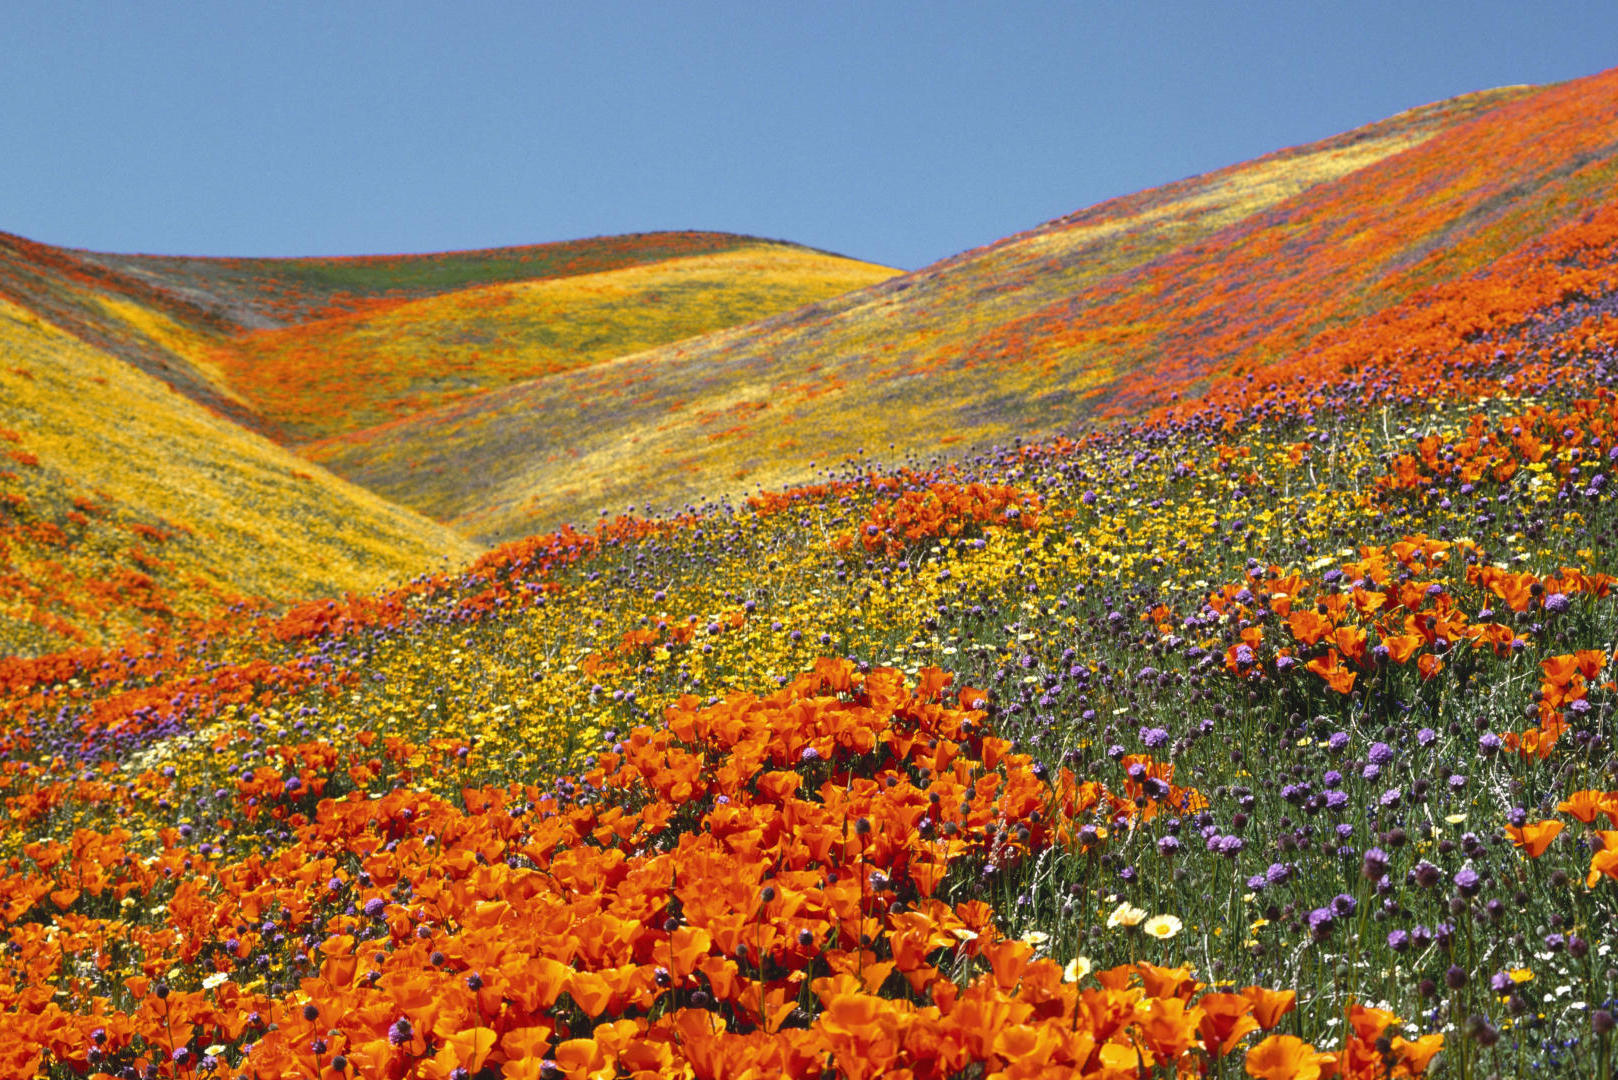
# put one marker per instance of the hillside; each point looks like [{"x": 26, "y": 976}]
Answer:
[
  {"x": 159, "y": 382},
  {"x": 124, "y": 506},
  {"x": 1108, "y": 312},
  {"x": 1265, "y": 731},
  {"x": 331, "y": 376}
]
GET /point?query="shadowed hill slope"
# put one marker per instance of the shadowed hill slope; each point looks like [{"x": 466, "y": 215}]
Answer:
[{"x": 1106, "y": 312}]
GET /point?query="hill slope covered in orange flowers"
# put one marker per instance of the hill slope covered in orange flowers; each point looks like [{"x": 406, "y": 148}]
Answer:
[
  {"x": 1108, "y": 312},
  {"x": 1266, "y": 728}
]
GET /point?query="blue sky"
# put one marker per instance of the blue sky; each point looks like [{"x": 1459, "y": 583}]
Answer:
[{"x": 896, "y": 132}]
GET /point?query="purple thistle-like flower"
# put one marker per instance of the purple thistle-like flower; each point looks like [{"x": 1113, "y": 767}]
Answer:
[
  {"x": 1277, "y": 873},
  {"x": 1338, "y": 740},
  {"x": 1398, "y": 940},
  {"x": 400, "y": 1032},
  {"x": 374, "y": 907},
  {"x": 1426, "y": 874},
  {"x": 1380, "y": 753},
  {"x": 1344, "y": 905},
  {"x": 1425, "y": 736},
  {"x": 1556, "y": 603}
]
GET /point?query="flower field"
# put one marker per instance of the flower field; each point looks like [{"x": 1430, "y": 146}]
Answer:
[{"x": 1264, "y": 730}]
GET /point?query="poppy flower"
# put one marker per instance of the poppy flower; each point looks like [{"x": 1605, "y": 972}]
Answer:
[
  {"x": 1287, "y": 1057},
  {"x": 1536, "y": 837}
]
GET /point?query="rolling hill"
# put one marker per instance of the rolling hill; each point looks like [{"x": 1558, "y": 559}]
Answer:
[
  {"x": 1108, "y": 312},
  {"x": 149, "y": 401},
  {"x": 127, "y": 507},
  {"x": 1266, "y": 727}
]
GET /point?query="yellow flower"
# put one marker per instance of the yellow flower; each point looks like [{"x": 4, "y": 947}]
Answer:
[
  {"x": 1125, "y": 915},
  {"x": 1162, "y": 927}
]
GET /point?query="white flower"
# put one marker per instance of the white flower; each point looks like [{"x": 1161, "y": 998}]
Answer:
[
  {"x": 1125, "y": 915},
  {"x": 1162, "y": 927},
  {"x": 1077, "y": 968},
  {"x": 1036, "y": 938},
  {"x": 216, "y": 979}
]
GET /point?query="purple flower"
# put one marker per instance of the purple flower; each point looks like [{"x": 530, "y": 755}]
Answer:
[
  {"x": 1320, "y": 923},
  {"x": 1277, "y": 873},
  {"x": 1556, "y": 603},
  {"x": 1344, "y": 905},
  {"x": 1426, "y": 874},
  {"x": 1154, "y": 737},
  {"x": 1467, "y": 880},
  {"x": 1338, "y": 740},
  {"x": 374, "y": 907},
  {"x": 1398, "y": 941},
  {"x": 1425, "y": 736},
  {"x": 1380, "y": 754},
  {"x": 400, "y": 1032},
  {"x": 1488, "y": 742}
]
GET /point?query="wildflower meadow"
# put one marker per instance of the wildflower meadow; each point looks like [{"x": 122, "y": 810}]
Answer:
[{"x": 1266, "y": 730}]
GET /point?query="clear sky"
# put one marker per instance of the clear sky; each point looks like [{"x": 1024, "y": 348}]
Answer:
[{"x": 895, "y": 132}]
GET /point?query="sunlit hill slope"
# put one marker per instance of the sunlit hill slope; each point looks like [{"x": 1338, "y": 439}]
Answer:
[
  {"x": 165, "y": 383},
  {"x": 1106, "y": 312},
  {"x": 1265, "y": 732}
]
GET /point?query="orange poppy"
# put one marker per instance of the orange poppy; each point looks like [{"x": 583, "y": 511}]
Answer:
[
  {"x": 1584, "y": 805},
  {"x": 1286, "y": 1057},
  {"x": 1270, "y": 1005},
  {"x": 1535, "y": 837}
]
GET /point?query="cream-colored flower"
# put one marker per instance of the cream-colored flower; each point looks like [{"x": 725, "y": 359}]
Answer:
[
  {"x": 1125, "y": 915},
  {"x": 1077, "y": 968},
  {"x": 216, "y": 979},
  {"x": 1036, "y": 938},
  {"x": 1162, "y": 927}
]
